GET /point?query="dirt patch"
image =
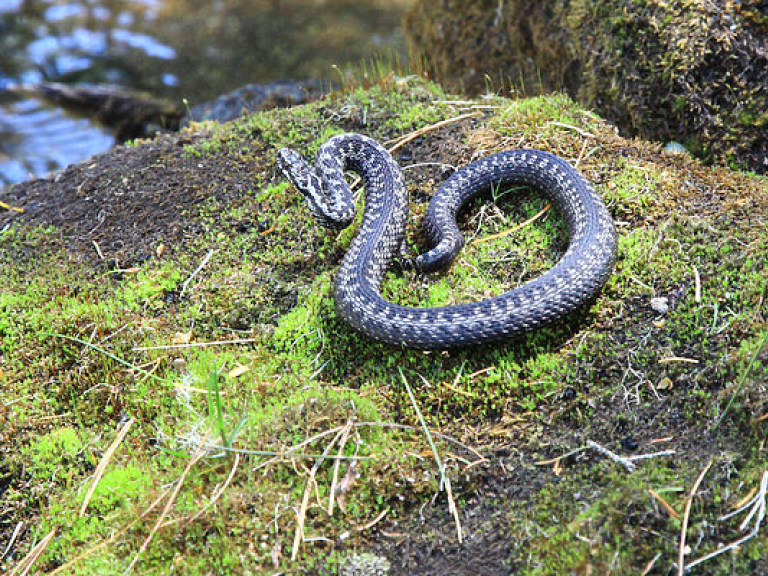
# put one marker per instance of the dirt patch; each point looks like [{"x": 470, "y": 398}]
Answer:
[{"x": 120, "y": 206}]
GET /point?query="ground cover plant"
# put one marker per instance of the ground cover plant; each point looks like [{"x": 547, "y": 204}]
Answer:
[{"x": 179, "y": 396}]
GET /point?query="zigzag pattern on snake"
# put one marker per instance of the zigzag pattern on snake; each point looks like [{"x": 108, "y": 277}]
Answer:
[{"x": 577, "y": 276}]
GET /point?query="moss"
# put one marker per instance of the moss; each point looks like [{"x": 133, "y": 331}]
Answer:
[
  {"x": 53, "y": 453},
  {"x": 682, "y": 71},
  {"x": 282, "y": 380}
]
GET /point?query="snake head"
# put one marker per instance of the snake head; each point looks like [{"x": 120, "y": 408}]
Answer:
[
  {"x": 322, "y": 195},
  {"x": 304, "y": 177},
  {"x": 295, "y": 168}
]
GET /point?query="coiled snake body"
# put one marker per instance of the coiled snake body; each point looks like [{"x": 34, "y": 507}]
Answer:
[{"x": 578, "y": 275}]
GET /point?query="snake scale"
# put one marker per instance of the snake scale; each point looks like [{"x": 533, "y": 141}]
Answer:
[{"x": 577, "y": 276}]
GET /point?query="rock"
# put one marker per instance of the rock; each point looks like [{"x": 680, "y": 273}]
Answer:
[
  {"x": 660, "y": 305},
  {"x": 132, "y": 114},
  {"x": 253, "y": 97},
  {"x": 694, "y": 72}
]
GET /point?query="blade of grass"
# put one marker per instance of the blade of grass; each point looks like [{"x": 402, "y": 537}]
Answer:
[
  {"x": 444, "y": 480},
  {"x": 741, "y": 381},
  {"x": 108, "y": 355}
]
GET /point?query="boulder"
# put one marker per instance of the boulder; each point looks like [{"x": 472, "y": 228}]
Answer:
[{"x": 691, "y": 71}]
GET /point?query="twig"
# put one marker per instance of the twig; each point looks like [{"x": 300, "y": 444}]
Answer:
[
  {"x": 15, "y": 535},
  {"x": 109, "y": 540},
  {"x": 195, "y": 344},
  {"x": 23, "y": 567},
  {"x": 198, "y": 454},
  {"x": 98, "y": 250},
  {"x": 422, "y": 164},
  {"x": 681, "y": 359},
  {"x": 686, "y": 518},
  {"x": 196, "y": 272},
  {"x": 571, "y": 127},
  {"x": 444, "y": 480},
  {"x": 373, "y": 522},
  {"x": 758, "y": 504},
  {"x": 697, "y": 285},
  {"x": 9, "y": 207},
  {"x": 558, "y": 458},
  {"x": 435, "y": 434},
  {"x": 108, "y": 355},
  {"x": 295, "y": 447},
  {"x": 219, "y": 491},
  {"x": 104, "y": 462},
  {"x": 664, "y": 504},
  {"x": 612, "y": 455},
  {"x": 514, "y": 229},
  {"x": 650, "y": 565},
  {"x": 301, "y": 516},
  {"x": 337, "y": 464},
  {"x": 402, "y": 140},
  {"x": 651, "y": 455}
]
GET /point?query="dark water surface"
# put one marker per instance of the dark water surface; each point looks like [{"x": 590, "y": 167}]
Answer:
[{"x": 175, "y": 49}]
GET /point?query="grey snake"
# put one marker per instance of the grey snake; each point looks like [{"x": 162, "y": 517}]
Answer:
[{"x": 576, "y": 277}]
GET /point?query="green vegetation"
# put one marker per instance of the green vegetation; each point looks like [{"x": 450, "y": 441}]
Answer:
[{"x": 250, "y": 439}]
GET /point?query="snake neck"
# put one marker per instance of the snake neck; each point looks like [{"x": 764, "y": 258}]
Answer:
[{"x": 382, "y": 229}]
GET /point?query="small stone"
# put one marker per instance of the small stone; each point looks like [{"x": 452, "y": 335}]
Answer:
[
  {"x": 676, "y": 148},
  {"x": 364, "y": 564},
  {"x": 660, "y": 304}
]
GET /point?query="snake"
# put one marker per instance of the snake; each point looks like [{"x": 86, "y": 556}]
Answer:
[{"x": 575, "y": 279}]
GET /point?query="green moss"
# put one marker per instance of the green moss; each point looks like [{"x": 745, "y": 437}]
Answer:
[
  {"x": 119, "y": 486},
  {"x": 51, "y": 454},
  {"x": 300, "y": 375}
]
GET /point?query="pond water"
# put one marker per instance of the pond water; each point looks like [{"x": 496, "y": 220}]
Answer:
[{"x": 174, "y": 49}]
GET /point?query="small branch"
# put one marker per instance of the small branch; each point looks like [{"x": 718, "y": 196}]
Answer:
[
  {"x": 104, "y": 462},
  {"x": 337, "y": 464},
  {"x": 697, "y": 285},
  {"x": 742, "y": 380},
  {"x": 651, "y": 455},
  {"x": 571, "y": 127},
  {"x": 514, "y": 229},
  {"x": 213, "y": 499},
  {"x": 195, "y": 344},
  {"x": 5, "y": 206},
  {"x": 612, "y": 455},
  {"x": 758, "y": 504},
  {"x": 650, "y": 565},
  {"x": 16, "y": 532},
  {"x": 686, "y": 518},
  {"x": 299, "y": 535},
  {"x": 171, "y": 500},
  {"x": 444, "y": 480},
  {"x": 115, "y": 536},
  {"x": 195, "y": 273},
  {"x": 23, "y": 568},
  {"x": 403, "y": 140},
  {"x": 664, "y": 504},
  {"x": 676, "y": 359}
]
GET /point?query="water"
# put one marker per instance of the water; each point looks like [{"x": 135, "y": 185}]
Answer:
[{"x": 174, "y": 49}]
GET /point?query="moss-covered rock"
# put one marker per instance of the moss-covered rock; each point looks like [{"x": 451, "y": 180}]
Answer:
[
  {"x": 181, "y": 285},
  {"x": 681, "y": 70}
]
